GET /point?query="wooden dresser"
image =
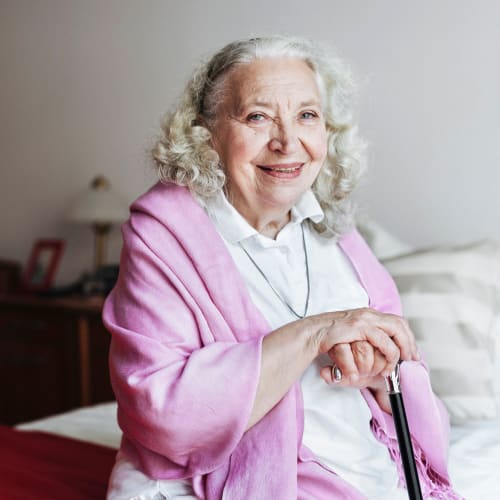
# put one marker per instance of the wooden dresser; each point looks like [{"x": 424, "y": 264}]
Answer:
[{"x": 53, "y": 356}]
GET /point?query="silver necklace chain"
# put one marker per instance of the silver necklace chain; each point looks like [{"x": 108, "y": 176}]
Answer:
[{"x": 304, "y": 246}]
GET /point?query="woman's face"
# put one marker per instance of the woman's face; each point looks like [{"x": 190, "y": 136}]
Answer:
[{"x": 270, "y": 135}]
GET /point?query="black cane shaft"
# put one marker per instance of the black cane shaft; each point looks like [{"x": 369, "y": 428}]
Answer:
[{"x": 405, "y": 447}]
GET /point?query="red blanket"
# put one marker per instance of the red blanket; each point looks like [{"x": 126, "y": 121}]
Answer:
[{"x": 38, "y": 465}]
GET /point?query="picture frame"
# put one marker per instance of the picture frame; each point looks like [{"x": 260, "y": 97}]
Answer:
[{"x": 42, "y": 265}]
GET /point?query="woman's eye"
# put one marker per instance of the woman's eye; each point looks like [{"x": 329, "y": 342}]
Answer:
[
  {"x": 256, "y": 117},
  {"x": 308, "y": 115}
]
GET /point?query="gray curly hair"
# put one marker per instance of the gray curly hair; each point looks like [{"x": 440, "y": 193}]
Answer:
[{"x": 183, "y": 153}]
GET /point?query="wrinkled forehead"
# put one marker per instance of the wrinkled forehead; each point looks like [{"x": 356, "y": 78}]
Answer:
[{"x": 271, "y": 81}]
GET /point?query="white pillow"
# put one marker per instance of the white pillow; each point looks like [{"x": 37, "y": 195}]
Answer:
[
  {"x": 451, "y": 297},
  {"x": 382, "y": 243},
  {"x": 496, "y": 330}
]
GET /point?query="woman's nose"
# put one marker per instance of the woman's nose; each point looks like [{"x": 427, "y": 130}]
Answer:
[{"x": 284, "y": 138}]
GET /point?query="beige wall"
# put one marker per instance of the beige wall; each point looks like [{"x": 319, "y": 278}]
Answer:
[{"x": 84, "y": 83}]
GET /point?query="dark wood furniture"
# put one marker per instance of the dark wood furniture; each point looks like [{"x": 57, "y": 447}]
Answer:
[
  {"x": 10, "y": 276},
  {"x": 53, "y": 356}
]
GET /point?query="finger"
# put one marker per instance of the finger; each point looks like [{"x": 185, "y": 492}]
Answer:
[
  {"x": 384, "y": 343},
  {"x": 326, "y": 374},
  {"x": 366, "y": 324},
  {"x": 407, "y": 336},
  {"x": 342, "y": 357},
  {"x": 364, "y": 354},
  {"x": 380, "y": 364},
  {"x": 331, "y": 374},
  {"x": 414, "y": 354},
  {"x": 398, "y": 330}
]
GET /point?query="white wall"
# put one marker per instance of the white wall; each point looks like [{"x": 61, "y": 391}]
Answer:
[{"x": 84, "y": 83}]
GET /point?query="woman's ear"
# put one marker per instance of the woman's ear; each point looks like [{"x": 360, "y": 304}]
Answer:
[
  {"x": 196, "y": 122},
  {"x": 199, "y": 121},
  {"x": 212, "y": 140}
]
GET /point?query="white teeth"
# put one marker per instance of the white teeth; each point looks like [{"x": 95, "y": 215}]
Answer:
[{"x": 285, "y": 169}]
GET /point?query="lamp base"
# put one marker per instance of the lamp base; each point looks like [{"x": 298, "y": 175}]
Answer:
[{"x": 101, "y": 231}]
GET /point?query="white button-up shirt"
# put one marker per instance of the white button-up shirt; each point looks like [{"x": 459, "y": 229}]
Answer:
[{"x": 336, "y": 419}]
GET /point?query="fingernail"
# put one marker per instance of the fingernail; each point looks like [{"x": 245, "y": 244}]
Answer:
[{"x": 337, "y": 374}]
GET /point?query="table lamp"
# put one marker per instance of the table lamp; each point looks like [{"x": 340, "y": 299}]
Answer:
[{"x": 101, "y": 207}]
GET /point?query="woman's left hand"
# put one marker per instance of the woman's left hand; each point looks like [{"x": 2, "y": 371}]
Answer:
[
  {"x": 359, "y": 362},
  {"x": 361, "y": 366}
]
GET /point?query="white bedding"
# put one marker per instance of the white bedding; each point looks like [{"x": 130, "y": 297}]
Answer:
[
  {"x": 96, "y": 424},
  {"x": 474, "y": 461}
]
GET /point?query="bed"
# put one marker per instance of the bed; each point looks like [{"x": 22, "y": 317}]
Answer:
[
  {"x": 59, "y": 457},
  {"x": 451, "y": 296},
  {"x": 473, "y": 463}
]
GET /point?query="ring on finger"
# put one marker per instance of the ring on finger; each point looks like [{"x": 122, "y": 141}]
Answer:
[{"x": 336, "y": 374}]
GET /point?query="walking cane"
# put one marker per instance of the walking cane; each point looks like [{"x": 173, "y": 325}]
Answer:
[{"x": 403, "y": 434}]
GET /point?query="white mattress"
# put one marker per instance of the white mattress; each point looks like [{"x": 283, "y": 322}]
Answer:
[
  {"x": 474, "y": 460},
  {"x": 96, "y": 424}
]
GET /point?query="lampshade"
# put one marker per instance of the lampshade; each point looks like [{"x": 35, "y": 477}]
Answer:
[
  {"x": 101, "y": 207},
  {"x": 98, "y": 204}
]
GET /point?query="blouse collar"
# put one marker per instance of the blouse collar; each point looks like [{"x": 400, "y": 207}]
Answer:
[{"x": 233, "y": 226}]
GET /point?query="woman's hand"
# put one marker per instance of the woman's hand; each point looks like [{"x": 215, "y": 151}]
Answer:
[
  {"x": 363, "y": 365},
  {"x": 365, "y": 343},
  {"x": 360, "y": 364},
  {"x": 362, "y": 342}
]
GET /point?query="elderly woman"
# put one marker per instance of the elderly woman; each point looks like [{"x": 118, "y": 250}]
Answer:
[{"x": 251, "y": 324}]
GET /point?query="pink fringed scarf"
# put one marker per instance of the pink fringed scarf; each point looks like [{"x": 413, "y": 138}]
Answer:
[{"x": 180, "y": 312}]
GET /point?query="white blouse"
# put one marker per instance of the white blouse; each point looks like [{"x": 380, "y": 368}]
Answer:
[{"x": 336, "y": 419}]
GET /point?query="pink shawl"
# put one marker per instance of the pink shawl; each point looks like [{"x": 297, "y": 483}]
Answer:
[{"x": 185, "y": 360}]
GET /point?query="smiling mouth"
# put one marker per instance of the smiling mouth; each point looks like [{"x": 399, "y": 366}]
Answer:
[{"x": 282, "y": 168}]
